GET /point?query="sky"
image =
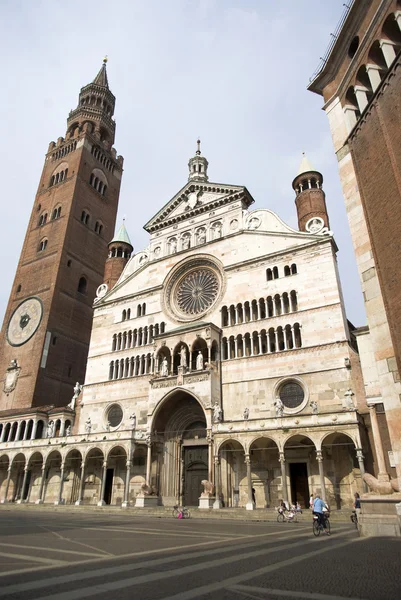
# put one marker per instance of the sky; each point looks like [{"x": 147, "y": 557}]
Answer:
[{"x": 232, "y": 72}]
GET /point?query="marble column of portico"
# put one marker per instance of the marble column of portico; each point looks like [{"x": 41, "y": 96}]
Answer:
[
  {"x": 81, "y": 484},
  {"x": 18, "y": 431},
  {"x": 250, "y": 504},
  {"x": 210, "y": 461},
  {"x": 319, "y": 458},
  {"x": 62, "y": 428},
  {"x": 7, "y": 485},
  {"x": 283, "y": 476},
  {"x": 42, "y": 485},
  {"x": 236, "y": 347},
  {"x": 34, "y": 430},
  {"x": 127, "y": 482},
  {"x": 258, "y": 310},
  {"x": 23, "y": 485},
  {"x": 149, "y": 464},
  {"x": 60, "y": 490},
  {"x": 217, "y": 478},
  {"x": 3, "y": 434},
  {"x": 377, "y": 440},
  {"x": 103, "y": 484},
  {"x": 209, "y": 354},
  {"x": 359, "y": 456},
  {"x": 260, "y": 343}
]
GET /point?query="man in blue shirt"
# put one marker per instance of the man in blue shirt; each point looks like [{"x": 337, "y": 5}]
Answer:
[{"x": 318, "y": 506}]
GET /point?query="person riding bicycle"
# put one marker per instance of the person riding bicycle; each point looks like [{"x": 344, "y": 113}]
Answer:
[{"x": 319, "y": 508}]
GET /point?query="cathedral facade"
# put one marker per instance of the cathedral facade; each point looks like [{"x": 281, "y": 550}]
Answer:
[{"x": 222, "y": 370}]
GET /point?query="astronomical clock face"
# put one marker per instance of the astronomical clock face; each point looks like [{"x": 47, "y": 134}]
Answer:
[{"x": 24, "y": 321}]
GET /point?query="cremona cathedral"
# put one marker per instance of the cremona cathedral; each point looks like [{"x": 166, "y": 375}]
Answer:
[{"x": 220, "y": 353}]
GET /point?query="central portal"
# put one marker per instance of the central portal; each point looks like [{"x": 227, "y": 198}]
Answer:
[
  {"x": 180, "y": 459},
  {"x": 195, "y": 470}
]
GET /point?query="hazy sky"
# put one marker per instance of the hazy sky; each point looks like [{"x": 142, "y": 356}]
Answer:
[{"x": 233, "y": 72}]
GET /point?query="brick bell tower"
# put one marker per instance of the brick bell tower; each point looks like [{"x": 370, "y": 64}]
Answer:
[
  {"x": 310, "y": 198},
  {"x": 46, "y": 331},
  {"x": 120, "y": 250}
]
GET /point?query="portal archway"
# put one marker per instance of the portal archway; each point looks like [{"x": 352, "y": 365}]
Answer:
[{"x": 180, "y": 452}]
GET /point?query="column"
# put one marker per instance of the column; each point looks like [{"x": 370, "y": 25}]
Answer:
[
  {"x": 319, "y": 458},
  {"x": 210, "y": 460},
  {"x": 102, "y": 486},
  {"x": 62, "y": 428},
  {"x": 152, "y": 364},
  {"x": 236, "y": 347},
  {"x": 236, "y": 315},
  {"x": 361, "y": 97},
  {"x": 285, "y": 338},
  {"x": 217, "y": 479},
  {"x": 149, "y": 464},
  {"x": 60, "y": 491},
  {"x": 373, "y": 72},
  {"x": 276, "y": 340},
  {"x": 230, "y": 321},
  {"x": 209, "y": 354},
  {"x": 243, "y": 346},
  {"x": 359, "y": 456},
  {"x": 249, "y": 505},
  {"x": 269, "y": 348},
  {"x": 23, "y": 485},
  {"x": 127, "y": 482},
  {"x": 350, "y": 116},
  {"x": 223, "y": 355},
  {"x": 383, "y": 475},
  {"x": 3, "y": 433},
  {"x": 81, "y": 485},
  {"x": 283, "y": 477},
  {"x": 292, "y": 336},
  {"x": 388, "y": 51},
  {"x": 18, "y": 431},
  {"x": 42, "y": 484},
  {"x": 251, "y": 340},
  {"x": 258, "y": 307},
  {"x": 260, "y": 343},
  {"x": 7, "y": 485},
  {"x": 282, "y": 305}
]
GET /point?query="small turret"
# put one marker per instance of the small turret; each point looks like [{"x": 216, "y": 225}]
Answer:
[
  {"x": 198, "y": 166},
  {"x": 310, "y": 198},
  {"x": 120, "y": 250}
]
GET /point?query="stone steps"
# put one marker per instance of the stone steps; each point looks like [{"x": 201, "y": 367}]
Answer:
[{"x": 240, "y": 514}]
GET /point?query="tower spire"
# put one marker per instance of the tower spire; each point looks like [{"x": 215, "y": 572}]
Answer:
[
  {"x": 198, "y": 165},
  {"x": 101, "y": 77}
]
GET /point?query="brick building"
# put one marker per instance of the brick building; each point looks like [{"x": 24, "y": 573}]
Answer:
[
  {"x": 48, "y": 320},
  {"x": 360, "y": 81}
]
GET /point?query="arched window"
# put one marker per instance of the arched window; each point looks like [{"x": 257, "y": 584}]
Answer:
[
  {"x": 129, "y": 313},
  {"x": 19, "y": 287},
  {"x": 269, "y": 274},
  {"x": 124, "y": 315},
  {"x": 87, "y": 219},
  {"x": 82, "y": 285},
  {"x": 294, "y": 269},
  {"x": 56, "y": 213},
  {"x": 275, "y": 273},
  {"x": 287, "y": 271},
  {"x": 139, "y": 311},
  {"x": 143, "y": 309},
  {"x": 42, "y": 245}
]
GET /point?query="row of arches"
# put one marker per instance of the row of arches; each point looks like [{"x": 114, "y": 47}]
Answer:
[
  {"x": 262, "y": 342},
  {"x": 74, "y": 478},
  {"x": 273, "y": 272},
  {"x": 64, "y": 151},
  {"x": 137, "y": 337},
  {"x": 131, "y": 367},
  {"x": 30, "y": 429},
  {"x": 58, "y": 177},
  {"x": 98, "y": 101},
  {"x": 106, "y": 162},
  {"x": 140, "y": 312},
  {"x": 307, "y": 184},
  {"x": 255, "y": 310},
  {"x": 119, "y": 252},
  {"x": 370, "y": 74},
  {"x": 194, "y": 357},
  {"x": 97, "y": 184},
  {"x": 86, "y": 219}
]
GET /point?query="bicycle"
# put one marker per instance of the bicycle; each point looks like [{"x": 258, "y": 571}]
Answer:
[
  {"x": 317, "y": 527},
  {"x": 354, "y": 518},
  {"x": 181, "y": 512},
  {"x": 284, "y": 515}
]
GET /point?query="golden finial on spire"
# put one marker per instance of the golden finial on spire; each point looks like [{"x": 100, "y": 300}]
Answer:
[{"x": 105, "y": 59}]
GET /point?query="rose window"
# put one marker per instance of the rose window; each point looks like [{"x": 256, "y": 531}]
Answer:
[{"x": 197, "y": 291}]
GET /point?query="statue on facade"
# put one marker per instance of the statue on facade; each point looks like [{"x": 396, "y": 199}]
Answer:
[
  {"x": 279, "y": 407},
  {"x": 133, "y": 420},
  {"x": 314, "y": 407},
  {"x": 173, "y": 246},
  {"x": 183, "y": 356},
  {"x": 50, "y": 429},
  {"x": 208, "y": 488},
  {"x": 246, "y": 414},
  {"x": 217, "y": 413},
  {"x": 186, "y": 242},
  {"x": 199, "y": 361},
  {"x": 88, "y": 425},
  {"x": 108, "y": 426},
  {"x": 68, "y": 431},
  {"x": 201, "y": 235},
  {"x": 383, "y": 488},
  {"x": 164, "y": 367},
  {"x": 348, "y": 400},
  {"x": 77, "y": 391},
  {"x": 216, "y": 230}
]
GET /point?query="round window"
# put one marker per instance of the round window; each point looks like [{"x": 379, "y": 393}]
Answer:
[
  {"x": 292, "y": 395},
  {"x": 115, "y": 415}
]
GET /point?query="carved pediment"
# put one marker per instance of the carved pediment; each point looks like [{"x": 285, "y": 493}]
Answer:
[{"x": 196, "y": 198}]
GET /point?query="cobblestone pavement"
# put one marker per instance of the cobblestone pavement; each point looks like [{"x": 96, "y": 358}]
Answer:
[{"x": 56, "y": 556}]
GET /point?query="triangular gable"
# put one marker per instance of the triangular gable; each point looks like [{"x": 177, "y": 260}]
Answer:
[{"x": 195, "y": 198}]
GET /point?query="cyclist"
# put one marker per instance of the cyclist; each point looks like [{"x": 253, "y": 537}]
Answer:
[{"x": 319, "y": 508}]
